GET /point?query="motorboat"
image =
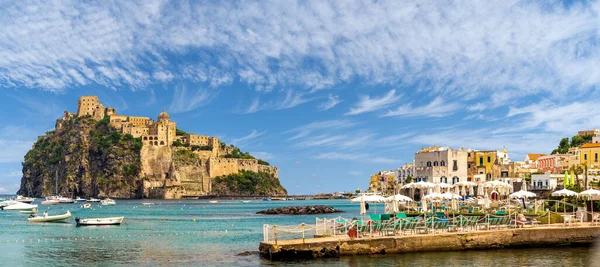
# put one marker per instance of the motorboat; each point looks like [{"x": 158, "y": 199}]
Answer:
[
  {"x": 20, "y": 206},
  {"x": 213, "y": 201},
  {"x": 8, "y": 203},
  {"x": 23, "y": 199},
  {"x": 107, "y": 202},
  {"x": 66, "y": 200},
  {"x": 33, "y": 211},
  {"x": 80, "y": 200},
  {"x": 93, "y": 200},
  {"x": 50, "y": 202},
  {"x": 86, "y": 206},
  {"x": 245, "y": 201},
  {"x": 267, "y": 199},
  {"x": 147, "y": 203},
  {"x": 99, "y": 221},
  {"x": 46, "y": 218}
]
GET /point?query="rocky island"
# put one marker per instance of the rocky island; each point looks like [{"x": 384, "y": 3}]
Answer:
[
  {"x": 301, "y": 210},
  {"x": 97, "y": 152}
]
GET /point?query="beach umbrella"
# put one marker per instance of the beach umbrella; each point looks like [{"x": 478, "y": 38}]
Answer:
[
  {"x": 409, "y": 185},
  {"x": 486, "y": 200},
  {"x": 450, "y": 195},
  {"x": 456, "y": 190},
  {"x": 433, "y": 196},
  {"x": 590, "y": 193},
  {"x": 424, "y": 204},
  {"x": 399, "y": 197},
  {"x": 564, "y": 193},
  {"x": 462, "y": 191},
  {"x": 480, "y": 190},
  {"x": 363, "y": 209},
  {"x": 566, "y": 180},
  {"x": 522, "y": 194},
  {"x": 471, "y": 191},
  {"x": 369, "y": 198},
  {"x": 524, "y": 187},
  {"x": 454, "y": 204}
]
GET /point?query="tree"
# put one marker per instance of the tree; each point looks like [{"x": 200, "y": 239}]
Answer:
[{"x": 563, "y": 146}]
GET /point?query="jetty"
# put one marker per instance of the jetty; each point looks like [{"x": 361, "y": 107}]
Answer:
[{"x": 327, "y": 244}]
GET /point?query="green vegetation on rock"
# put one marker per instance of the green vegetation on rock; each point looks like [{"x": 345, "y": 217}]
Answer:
[
  {"x": 576, "y": 141},
  {"x": 248, "y": 183},
  {"x": 238, "y": 154}
]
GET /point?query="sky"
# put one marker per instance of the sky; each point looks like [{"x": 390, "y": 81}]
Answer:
[{"x": 329, "y": 91}]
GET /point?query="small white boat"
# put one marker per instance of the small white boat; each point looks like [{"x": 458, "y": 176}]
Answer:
[
  {"x": 55, "y": 218},
  {"x": 99, "y": 221},
  {"x": 8, "y": 203},
  {"x": 94, "y": 200},
  {"x": 24, "y": 199},
  {"x": 107, "y": 202},
  {"x": 20, "y": 206},
  {"x": 33, "y": 211},
  {"x": 50, "y": 202},
  {"x": 86, "y": 206},
  {"x": 148, "y": 203},
  {"x": 66, "y": 200},
  {"x": 213, "y": 201},
  {"x": 80, "y": 200},
  {"x": 245, "y": 201}
]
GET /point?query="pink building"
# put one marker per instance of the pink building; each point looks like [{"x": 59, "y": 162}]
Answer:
[{"x": 552, "y": 163}]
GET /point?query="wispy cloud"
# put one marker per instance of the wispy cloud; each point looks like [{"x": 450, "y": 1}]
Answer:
[
  {"x": 290, "y": 100},
  {"x": 368, "y": 104},
  {"x": 332, "y": 101},
  {"x": 355, "y": 173},
  {"x": 436, "y": 108},
  {"x": 319, "y": 126},
  {"x": 245, "y": 139},
  {"x": 185, "y": 99},
  {"x": 263, "y": 155},
  {"x": 354, "y": 157}
]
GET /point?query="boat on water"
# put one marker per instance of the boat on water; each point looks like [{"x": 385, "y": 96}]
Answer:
[
  {"x": 65, "y": 200},
  {"x": 46, "y": 218},
  {"x": 107, "y": 202},
  {"x": 80, "y": 200},
  {"x": 23, "y": 199},
  {"x": 213, "y": 201},
  {"x": 267, "y": 199},
  {"x": 20, "y": 206},
  {"x": 8, "y": 203},
  {"x": 148, "y": 203},
  {"x": 94, "y": 200},
  {"x": 33, "y": 211},
  {"x": 86, "y": 206},
  {"x": 99, "y": 221},
  {"x": 245, "y": 201},
  {"x": 50, "y": 202}
]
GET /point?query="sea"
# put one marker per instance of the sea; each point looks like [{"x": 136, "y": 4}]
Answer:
[{"x": 200, "y": 233}]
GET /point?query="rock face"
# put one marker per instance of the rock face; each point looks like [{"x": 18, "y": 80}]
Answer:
[{"x": 301, "y": 210}]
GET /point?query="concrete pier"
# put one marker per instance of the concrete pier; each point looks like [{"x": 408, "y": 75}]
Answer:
[{"x": 337, "y": 246}]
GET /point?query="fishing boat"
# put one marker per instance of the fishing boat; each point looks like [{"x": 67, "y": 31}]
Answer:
[
  {"x": 45, "y": 218},
  {"x": 245, "y": 201},
  {"x": 213, "y": 201},
  {"x": 107, "y": 202},
  {"x": 20, "y": 206},
  {"x": 94, "y": 200},
  {"x": 80, "y": 200},
  {"x": 86, "y": 206},
  {"x": 99, "y": 221},
  {"x": 23, "y": 199}
]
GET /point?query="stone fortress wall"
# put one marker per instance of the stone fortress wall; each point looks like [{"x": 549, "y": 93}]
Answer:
[{"x": 157, "y": 151}]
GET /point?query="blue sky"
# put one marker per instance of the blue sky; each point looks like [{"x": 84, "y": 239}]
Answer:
[{"x": 329, "y": 91}]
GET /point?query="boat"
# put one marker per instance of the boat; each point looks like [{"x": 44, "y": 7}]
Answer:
[
  {"x": 80, "y": 200},
  {"x": 20, "y": 206},
  {"x": 45, "y": 218},
  {"x": 107, "y": 202},
  {"x": 245, "y": 201},
  {"x": 86, "y": 206},
  {"x": 99, "y": 221},
  {"x": 8, "y": 203},
  {"x": 66, "y": 200},
  {"x": 267, "y": 199},
  {"x": 50, "y": 201},
  {"x": 148, "y": 203},
  {"x": 94, "y": 200},
  {"x": 23, "y": 199},
  {"x": 213, "y": 201},
  {"x": 33, "y": 211}
]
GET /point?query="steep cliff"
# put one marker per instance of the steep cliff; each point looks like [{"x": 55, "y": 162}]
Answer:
[
  {"x": 84, "y": 157},
  {"x": 248, "y": 183}
]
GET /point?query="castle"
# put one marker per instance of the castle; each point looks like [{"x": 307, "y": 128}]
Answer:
[{"x": 159, "y": 168}]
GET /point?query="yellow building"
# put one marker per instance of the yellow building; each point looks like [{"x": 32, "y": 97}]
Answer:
[{"x": 588, "y": 153}]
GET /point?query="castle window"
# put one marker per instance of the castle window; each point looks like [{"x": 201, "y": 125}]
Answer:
[
  {"x": 429, "y": 164},
  {"x": 156, "y": 143},
  {"x": 435, "y": 163},
  {"x": 442, "y": 163},
  {"x": 489, "y": 159},
  {"x": 162, "y": 143}
]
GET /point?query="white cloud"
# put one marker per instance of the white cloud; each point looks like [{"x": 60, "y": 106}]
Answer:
[
  {"x": 290, "y": 100},
  {"x": 332, "y": 101},
  {"x": 354, "y": 157},
  {"x": 436, "y": 108},
  {"x": 262, "y": 155},
  {"x": 13, "y": 151},
  {"x": 477, "y": 107},
  {"x": 319, "y": 126},
  {"x": 251, "y": 136},
  {"x": 185, "y": 99},
  {"x": 4, "y": 191},
  {"x": 368, "y": 104}
]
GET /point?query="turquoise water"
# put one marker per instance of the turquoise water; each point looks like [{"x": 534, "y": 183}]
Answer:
[{"x": 199, "y": 233}]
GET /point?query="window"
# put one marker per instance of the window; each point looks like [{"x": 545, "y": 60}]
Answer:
[
  {"x": 469, "y": 155},
  {"x": 584, "y": 156},
  {"x": 429, "y": 164},
  {"x": 480, "y": 161},
  {"x": 489, "y": 159},
  {"x": 455, "y": 165},
  {"x": 435, "y": 163},
  {"x": 442, "y": 163},
  {"x": 596, "y": 157},
  {"x": 421, "y": 164},
  {"x": 469, "y": 165}
]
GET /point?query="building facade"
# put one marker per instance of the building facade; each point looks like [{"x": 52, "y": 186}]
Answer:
[{"x": 441, "y": 165}]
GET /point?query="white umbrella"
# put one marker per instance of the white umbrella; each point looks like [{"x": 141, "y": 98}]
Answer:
[
  {"x": 433, "y": 196},
  {"x": 369, "y": 198},
  {"x": 444, "y": 185},
  {"x": 450, "y": 195},
  {"x": 424, "y": 204},
  {"x": 423, "y": 184},
  {"x": 454, "y": 204},
  {"x": 465, "y": 183},
  {"x": 480, "y": 190},
  {"x": 363, "y": 209},
  {"x": 471, "y": 191},
  {"x": 524, "y": 187},
  {"x": 399, "y": 197},
  {"x": 522, "y": 194},
  {"x": 564, "y": 193},
  {"x": 462, "y": 191},
  {"x": 486, "y": 200},
  {"x": 409, "y": 185},
  {"x": 590, "y": 193}
]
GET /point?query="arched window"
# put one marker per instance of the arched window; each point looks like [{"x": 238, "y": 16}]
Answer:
[
  {"x": 425, "y": 179},
  {"x": 156, "y": 143},
  {"x": 488, "y": 177},
  {"x": 162, "y": 143},
  {"x": 442, "y": 163},
  {"x": 455, "y": 180},
  {"x": 145, "y": 138},
  {"x": 156, "y": 138},
  {"x": 443, "y": 179},
  {"x": 429, "y": 164},
  {"x": 435, "y": 163}
]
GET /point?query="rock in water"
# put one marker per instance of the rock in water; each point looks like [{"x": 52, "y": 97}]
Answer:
[{"x": 301, "y": 210}]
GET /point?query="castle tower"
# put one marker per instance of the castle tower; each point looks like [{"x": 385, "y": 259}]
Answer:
[
  {"x": 166, "y": 129},
  {"x": 89, "y": 105}
]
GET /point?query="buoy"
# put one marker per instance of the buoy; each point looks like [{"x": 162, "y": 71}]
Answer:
[{"x": 163, "y": 219}]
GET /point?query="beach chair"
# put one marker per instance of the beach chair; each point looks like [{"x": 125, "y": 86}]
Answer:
[
  {"x": 423, "y": 227},
  {"x": 596, "y": 219},
  {"x": 409, "y": 226},
  {"x": 484, "y": 222},
  {"x": 439, "y": 225},
  {"x": 385, "y": 217}
]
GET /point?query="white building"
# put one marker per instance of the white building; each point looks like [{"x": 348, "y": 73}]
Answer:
[
  {"x": 441, "y": 164},
  {"x": 543, "y": 182}
]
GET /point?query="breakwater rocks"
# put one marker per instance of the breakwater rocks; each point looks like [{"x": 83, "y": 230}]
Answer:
[{"x": 300, "y": 210}]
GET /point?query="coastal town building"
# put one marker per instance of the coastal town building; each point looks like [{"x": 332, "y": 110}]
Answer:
[
  {"x": 593, "y": 132},
  {"x": 441, "y": 165},
  {"x": 403, "y": 173},
  {"x": 486, "y": 165},
  {"x": 543, "y": 182},
  {"x": 556, "y": 163}
]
